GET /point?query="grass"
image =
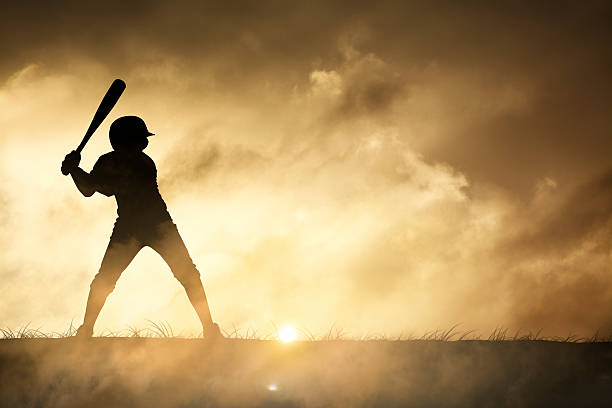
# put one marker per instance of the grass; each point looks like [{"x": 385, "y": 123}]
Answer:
[{"x": 165, "y": 330}]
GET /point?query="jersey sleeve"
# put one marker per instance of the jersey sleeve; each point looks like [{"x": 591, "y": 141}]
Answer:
[{"x": 102, "y": 175}]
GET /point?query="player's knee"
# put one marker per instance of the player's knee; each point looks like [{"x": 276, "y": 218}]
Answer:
[
  {"x": 188, "y": 276},
  {"x": 102, "y": 283}
]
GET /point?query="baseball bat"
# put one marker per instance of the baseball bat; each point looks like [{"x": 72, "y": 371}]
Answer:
[{"x": 109, "y": 100}]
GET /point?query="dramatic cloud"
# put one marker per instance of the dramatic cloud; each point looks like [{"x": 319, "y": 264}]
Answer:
[{"x": 383, "y": 167}]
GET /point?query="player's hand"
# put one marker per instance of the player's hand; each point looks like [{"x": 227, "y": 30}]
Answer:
[{"x": 71, "y": 162}]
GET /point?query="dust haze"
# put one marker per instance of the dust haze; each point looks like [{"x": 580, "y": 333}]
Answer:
[{"x": 387, "y": 168}]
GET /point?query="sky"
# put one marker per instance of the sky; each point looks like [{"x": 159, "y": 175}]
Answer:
[{"x": 382, "y": 168}]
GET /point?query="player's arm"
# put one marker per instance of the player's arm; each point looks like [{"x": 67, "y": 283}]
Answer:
[
  {"x": 81, "y": 178},
  {"x": 87, "y": 183},
  {"x": 84, "y": 181}
]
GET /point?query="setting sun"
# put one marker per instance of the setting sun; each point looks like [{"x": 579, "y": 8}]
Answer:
[{"x": 287, "y": 334}]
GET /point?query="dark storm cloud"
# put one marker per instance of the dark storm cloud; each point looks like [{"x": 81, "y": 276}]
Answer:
[
  {"x": 235, "y": 38},
  {"x": 574, "y": 299},
  {"x": 585, "y": 215},
  {"x": 558, "y": 53},
  {"x": 559, "y": 264},
  {"x": 371, "y": 87}
]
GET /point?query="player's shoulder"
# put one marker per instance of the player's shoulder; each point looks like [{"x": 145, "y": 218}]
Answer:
[
  {"x": 107, "y": 158},
  {"x": 118, "y": 159},
  {"x": 145, "y": 157}
]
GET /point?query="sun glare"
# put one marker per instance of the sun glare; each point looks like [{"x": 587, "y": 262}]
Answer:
[
  {"x": 272, "y": 387},
  {"x": 287, "y": 334}
]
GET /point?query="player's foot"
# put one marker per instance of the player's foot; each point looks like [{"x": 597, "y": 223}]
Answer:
[
  {"x": 213, "y": 332},
  {"x": 84, "y": 332}
]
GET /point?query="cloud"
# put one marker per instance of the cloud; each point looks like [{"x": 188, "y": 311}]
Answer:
[
  {"x": 438, "y": 163},
  {"x": 557, "y": 260},
  {"x": 369, "y": 86},
  {"x": 584, "y": 215}
]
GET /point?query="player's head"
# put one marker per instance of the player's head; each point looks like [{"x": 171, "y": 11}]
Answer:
[{"x": 129, "y": 133}]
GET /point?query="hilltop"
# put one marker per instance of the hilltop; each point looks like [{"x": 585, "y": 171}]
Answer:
[{"x": 174, "y": 372}]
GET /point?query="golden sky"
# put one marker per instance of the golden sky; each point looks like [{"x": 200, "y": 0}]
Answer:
[{"x": 385, "y": 168}]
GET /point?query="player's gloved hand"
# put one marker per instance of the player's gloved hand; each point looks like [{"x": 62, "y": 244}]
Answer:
[{"x": 71, "y": 162}]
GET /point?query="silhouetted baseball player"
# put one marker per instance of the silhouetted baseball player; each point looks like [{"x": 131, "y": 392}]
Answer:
[{"x": 143, "y": 219}]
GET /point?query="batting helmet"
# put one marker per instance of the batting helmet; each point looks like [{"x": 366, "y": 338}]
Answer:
[{"x": 129, "y": 132}]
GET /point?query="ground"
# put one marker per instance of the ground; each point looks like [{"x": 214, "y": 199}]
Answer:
[{"x": 174, "y": 372}]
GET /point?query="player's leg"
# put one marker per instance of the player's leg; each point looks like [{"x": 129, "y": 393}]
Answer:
[
  {"x": 173, "y": 250},
  {"x": 118, "y": 256}
]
